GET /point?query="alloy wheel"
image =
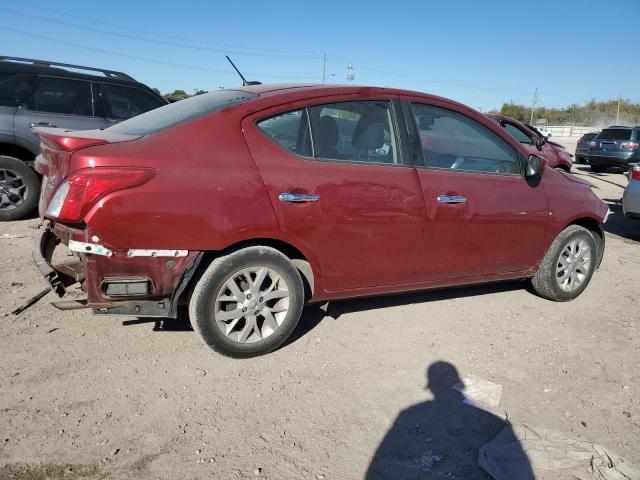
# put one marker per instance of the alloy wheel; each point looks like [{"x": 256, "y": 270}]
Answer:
[
  {"x": 252, "y": 304},
  {"x": 572, "y": 267},
  {"x": 13, "y": 190}
]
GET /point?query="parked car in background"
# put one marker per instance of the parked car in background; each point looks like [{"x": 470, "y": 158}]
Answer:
[
  {"x": 247, "y": 203},
  {"x": 582, "y": 147},
  {"x": 556, "y": 155},
  {"x": 43, "y": 93},
  {"x": 631, "y": 195},
  {"x": 615, "y": 146}
]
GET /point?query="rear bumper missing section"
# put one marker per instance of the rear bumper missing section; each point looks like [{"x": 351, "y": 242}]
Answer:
[{"x": 59, "y": 276}]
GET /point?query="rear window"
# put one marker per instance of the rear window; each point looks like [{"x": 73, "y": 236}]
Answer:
[
  {"x": 615, "y": 134},
  {"x": 180, "y": 112}
]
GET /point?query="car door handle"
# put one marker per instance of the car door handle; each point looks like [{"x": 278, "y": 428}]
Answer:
[
  {"x": 451, "y": 199},
  {"x": 42, "y": 124},
  {"x": 298, "y": 197}
]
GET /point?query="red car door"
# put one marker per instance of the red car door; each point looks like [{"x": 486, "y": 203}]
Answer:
[
  {"x": 347, "y": 196},
  {"x": 482, "y": 216}
]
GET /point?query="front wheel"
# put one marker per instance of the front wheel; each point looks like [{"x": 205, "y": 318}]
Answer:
[
  {"x": 567, "y": 266},
  {"x": 247, "y": 303}
]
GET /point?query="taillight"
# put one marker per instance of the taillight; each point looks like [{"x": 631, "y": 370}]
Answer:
[
  {"x": 592, "y": 144},
  {"x": 635, "y": 173},
  {"x": 629, "y": 146},
  {"x": 84, "y": 188}
]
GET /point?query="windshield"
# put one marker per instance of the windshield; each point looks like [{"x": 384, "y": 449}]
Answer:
[{"x": 179, "y": 112}]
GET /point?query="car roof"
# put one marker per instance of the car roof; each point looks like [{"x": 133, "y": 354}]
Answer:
[
  {"x": 17, "y": 67},
  {"x": 300, "y": 91}
]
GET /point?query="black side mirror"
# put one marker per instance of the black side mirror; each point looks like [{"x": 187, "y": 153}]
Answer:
[
  {"x": 540, "y": 142},
  {"x": 535, "y": 166}
]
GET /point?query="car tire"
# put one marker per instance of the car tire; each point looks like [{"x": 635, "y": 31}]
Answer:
[
  {"x": 19, "y": 189},
  {"x": 598, "y": 168},
  {"x": 568, "y": 265},
  {"x": 240, "y": 316}
]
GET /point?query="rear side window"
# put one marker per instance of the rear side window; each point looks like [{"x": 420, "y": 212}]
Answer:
[
  {"x": 454, "y": 141},
  {"x": 126, "y": 102},
  {"x": 615, "y": 134},
  {"x": 16, "y": 89},
  {"x": 289, "y": 130},
  {"x": 359, "y": 131},
  {"x": 63, "y": 95},
  {"x": 179, "y": 112}
]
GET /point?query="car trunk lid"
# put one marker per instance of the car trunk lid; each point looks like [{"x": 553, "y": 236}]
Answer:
[{"x": 57, "y": 147}]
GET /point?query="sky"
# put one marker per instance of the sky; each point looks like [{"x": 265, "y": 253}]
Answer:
[{"x": 481, "y": 53}]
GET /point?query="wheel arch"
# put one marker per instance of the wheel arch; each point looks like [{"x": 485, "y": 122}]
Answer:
[
  {"x": 16, "y": 151},
  {"x": 305, "y": 262},
  {"x": 596, "y": 228}
]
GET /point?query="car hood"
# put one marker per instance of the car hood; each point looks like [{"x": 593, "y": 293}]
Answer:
[{"x": 575, "y": 178}]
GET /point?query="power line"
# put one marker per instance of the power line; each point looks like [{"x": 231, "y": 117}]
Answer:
[
  {"x": 149, "y": 60},
  {"x": 163, "y": 34},
  {"x": 160, "y": 42}
]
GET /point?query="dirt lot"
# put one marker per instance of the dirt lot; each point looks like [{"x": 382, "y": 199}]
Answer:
[{"x": 123, "y": 398}]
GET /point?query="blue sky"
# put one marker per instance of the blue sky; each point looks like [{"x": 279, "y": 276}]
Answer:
[{"x": 482, "y": 52}]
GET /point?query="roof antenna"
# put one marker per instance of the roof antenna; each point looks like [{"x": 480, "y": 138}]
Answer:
[{"x": 245, "y": 82}]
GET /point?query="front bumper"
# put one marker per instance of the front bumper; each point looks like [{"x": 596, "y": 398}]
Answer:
[{"x": 59, "y": 275}]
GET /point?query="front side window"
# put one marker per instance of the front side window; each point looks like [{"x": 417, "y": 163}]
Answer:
[
  {"x": 63, "y": 95},
  {"x": 359, "y": 131},
  {"x": 518, "y": 134},
  {"x": 290, "y": 130},
  {"x": 126, "y": 102},
  {"x": 454, "y": 141}
]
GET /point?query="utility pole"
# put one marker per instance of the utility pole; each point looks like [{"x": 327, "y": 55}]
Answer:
[
  {"x": 618, "y": 112},
  {"x": 533, "y": 105},
  {"x": 324, "y": 67}
]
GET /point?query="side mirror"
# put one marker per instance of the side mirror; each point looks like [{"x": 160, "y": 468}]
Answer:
[
  {"x": 535, "y": 166},
  {"x": 540, "y": 142}
]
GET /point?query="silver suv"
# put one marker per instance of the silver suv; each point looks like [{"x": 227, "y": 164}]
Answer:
[{"x": 49, "y": 94}]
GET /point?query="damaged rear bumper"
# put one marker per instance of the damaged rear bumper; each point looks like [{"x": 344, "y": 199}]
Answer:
[
  {"x": 112, "y": 278},
  {"x": 61, "y": 275}
]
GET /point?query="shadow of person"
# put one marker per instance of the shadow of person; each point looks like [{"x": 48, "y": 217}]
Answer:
[{"x": 439, "y": 438}]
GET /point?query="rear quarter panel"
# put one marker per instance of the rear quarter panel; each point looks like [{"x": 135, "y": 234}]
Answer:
[{"x": 206, "y": 193}]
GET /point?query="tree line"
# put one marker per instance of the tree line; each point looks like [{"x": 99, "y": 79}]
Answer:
[{"x": 593, "y": 114}]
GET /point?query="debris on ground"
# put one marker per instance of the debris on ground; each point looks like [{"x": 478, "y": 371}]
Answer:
[
  {"x": 520, "y": 452},
  {"x": 31, "y": 301},
  {"x": 479, "y": 391}
]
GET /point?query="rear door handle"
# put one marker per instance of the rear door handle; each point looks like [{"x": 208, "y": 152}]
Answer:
[
  {"x": 42, "y": 124},
  {"x": 298, "y": 197},
  {"x": 451, "y": 199}
]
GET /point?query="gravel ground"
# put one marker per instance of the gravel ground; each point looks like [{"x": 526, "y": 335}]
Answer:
[{"x": 122, "y": 398}]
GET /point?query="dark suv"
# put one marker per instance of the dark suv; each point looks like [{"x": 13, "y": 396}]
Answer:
[
  {"x": 615, "y": 146},
  {"x": 50, "y": 94}
]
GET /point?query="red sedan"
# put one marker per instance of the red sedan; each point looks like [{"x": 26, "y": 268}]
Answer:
[{"x": 247, "y": 203}]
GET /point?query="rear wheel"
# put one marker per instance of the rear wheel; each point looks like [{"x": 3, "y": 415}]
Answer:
[
  {"x": 598, "y": 168},
  {"x": 19, "y": 189},
  {"x": 247, "y": 303},
  {"x": 567, "y": 266}
]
